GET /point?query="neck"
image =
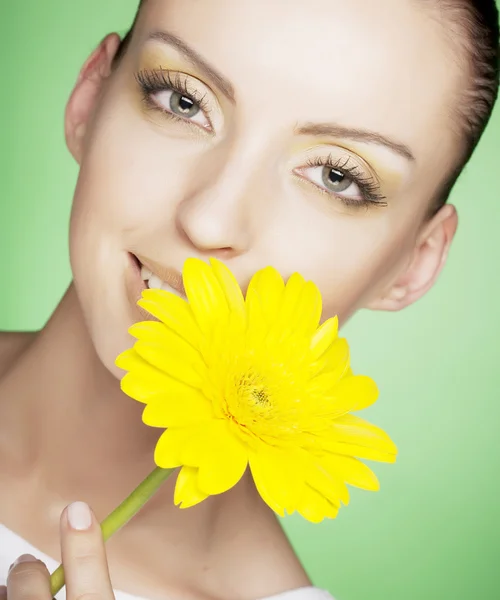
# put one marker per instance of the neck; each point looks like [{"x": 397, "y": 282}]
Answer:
[
  {"x": 59, "y": 395},
  {"x": 66, "y": 422}
]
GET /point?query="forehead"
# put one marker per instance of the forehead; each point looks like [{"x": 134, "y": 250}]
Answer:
[{"x": 383, "y": 66}]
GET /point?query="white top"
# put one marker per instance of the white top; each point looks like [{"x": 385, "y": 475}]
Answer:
[{"x": 12, "y": 545}]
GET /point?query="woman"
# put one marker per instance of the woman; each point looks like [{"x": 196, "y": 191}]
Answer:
[{"x": 319, "y": 137}]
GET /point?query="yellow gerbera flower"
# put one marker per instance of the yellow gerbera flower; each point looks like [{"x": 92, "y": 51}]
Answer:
[{"x": 253, "y": 382}]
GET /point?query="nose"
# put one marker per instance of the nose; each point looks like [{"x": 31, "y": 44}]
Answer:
[{"x": 223, "y": 209}]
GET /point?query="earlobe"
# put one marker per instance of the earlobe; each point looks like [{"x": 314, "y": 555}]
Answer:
[
  {"x": 85, "y": 93},
  {"x": 428, "y": 259}
]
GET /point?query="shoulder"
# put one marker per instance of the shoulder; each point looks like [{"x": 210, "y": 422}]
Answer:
[{"x": 12, "y": 345}]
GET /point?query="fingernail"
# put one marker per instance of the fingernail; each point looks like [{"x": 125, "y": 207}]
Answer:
[
  {"x": 23, "y": 558},
  {"x": 79, "y": 516}
]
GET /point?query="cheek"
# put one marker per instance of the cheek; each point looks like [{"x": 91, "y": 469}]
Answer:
[
  {"x": 129, "y": 183},
  {"x": 131, "y": 174},
  {"x": 349, "y": 257}
]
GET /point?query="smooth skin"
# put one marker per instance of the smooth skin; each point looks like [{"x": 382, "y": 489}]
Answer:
[{"x": 284, "y": 84}]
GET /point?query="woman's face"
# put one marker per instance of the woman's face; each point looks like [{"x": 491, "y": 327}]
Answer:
[{"x": 310, "y": 136}]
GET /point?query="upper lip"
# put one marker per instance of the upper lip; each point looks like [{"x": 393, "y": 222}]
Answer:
[{"x": 170, "y": 276}]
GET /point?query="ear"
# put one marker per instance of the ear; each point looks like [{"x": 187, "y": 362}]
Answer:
[
  {"x": 429, "y": 257},
  {"x": 83, "y": 99}
]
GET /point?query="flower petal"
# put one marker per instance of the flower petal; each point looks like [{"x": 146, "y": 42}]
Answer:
[
  {"x": 173, "y": 311},
  {"x": 230, "y": 287},
  {"x": 327, "y": 482},
  {"x": 264, "y": 297},
  {"x": 157, "y": 332},
  {"x": 351, "y": 470},
  {"x": 315, "y": 507},
  {"x": 224, "y": 463},
  {"x": 205, "y": 295},
  {"x": 177, "y": 361},
  {"x": 333, "y": 363},
  {"x": 300, "y": 310},
  {"x": 360, "y": 451},
  {"x": 353, "y": 393},
  {"x": 278, "y": 478},
  {"x": 180, "y": 410},
  {"x": 351, "y": 429},
  {"x": 324, "y": 337},
  {"x": 143, "y": 379},
  {"x": 168, "y": 451},
  {"x": 187, "y": 493}
]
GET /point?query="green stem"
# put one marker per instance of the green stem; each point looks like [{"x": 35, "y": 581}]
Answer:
[{"x": 121, "y": 515}]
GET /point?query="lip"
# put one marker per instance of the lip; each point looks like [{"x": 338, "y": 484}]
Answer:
[{"x": 170, "y": 276}]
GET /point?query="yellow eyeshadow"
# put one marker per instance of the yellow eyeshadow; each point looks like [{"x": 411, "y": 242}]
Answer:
[
  {"x": 390, "y": 178},
  {"x": 153, "y": 58}
]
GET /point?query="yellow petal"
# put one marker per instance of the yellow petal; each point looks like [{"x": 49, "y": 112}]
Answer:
[
  {"x": 180, "y": 410},
  {"x": 314, "y": 507},
  {"x": 324, "y": 337},
  {"x": 327, "y": 482},
  {"x": 287, "y": 313},
  {"x": 165, "y": 349},
  {"x": 173, "y": 311},
  {"x": 353, "y": 393},
  {"x": 187, "y": 493},
  {"x": 278, "y": 478},
  {"x": 360, "y": 451},
  {"x": 223, "y": 465},
  {"x": 333, "y": 363},
  {"x": 264, "y": 297},
  {"x": 204, "y": 293},
  {"x": 354, "y": 430},
  {"x": 156, "y": 332},
  {"x": 178, "y": 362},
  {"x": 301, "y": 307},
  {"x": 350, "y": 470},
  {"x": 144, "y": 380},
  {"x": 230, "y": 287},
  {"x": 168, "y": 451}
]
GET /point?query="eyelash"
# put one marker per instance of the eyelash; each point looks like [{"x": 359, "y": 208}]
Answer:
[
  {"x": 152, "y": 82},
  {"x": 367, "y": 185}
]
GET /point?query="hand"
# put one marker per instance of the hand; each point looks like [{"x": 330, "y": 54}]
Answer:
[{"x": 83, "y": 557}]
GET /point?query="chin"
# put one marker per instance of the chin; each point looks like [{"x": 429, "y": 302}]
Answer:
[{"x": 108, "y": 306}]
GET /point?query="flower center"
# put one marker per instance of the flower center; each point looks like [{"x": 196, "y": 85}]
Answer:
[
  {"x": 248, "y": 399},
  {"x": 252, "y": 390},
  {"x": 260, "y": 396}
]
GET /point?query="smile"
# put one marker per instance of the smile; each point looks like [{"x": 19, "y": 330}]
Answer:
[{"x": 160, "y": 278}]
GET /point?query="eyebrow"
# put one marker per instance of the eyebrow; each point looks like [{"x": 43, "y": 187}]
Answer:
[
  {"x": 196, "y": 60},
  {"x": 314, "y": 129},
  {"x": 335, "y": 130}
]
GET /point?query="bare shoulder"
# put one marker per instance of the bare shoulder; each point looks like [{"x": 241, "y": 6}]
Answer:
[
  {"x": 12, "y": 345},
  {"x": 265, "y": 561}
]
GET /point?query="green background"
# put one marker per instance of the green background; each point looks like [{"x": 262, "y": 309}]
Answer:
[{"x": 433, "y": 530}]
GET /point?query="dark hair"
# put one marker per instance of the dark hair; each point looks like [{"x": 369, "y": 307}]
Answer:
[{"x": 472, "y": 26}]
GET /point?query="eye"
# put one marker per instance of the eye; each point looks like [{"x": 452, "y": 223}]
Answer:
[
  {"x": 182, "y": 106},
  {"x": 333, "y": 180},
  {"x": 176, "y": 95},
  {"x": 336, "y": 181},
  {"x": 342, "y": 179}
]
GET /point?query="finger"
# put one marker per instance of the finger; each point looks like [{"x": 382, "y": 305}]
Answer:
[
  {"x": 83, "y": 555},
  {"x": 28, "y": 579},
  {"x": 3, "y": 592}
]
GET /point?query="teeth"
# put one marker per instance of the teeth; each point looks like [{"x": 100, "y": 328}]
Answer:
[
  {"x": 145, "y": 273},
  {"x": 155, "y": 283}
]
